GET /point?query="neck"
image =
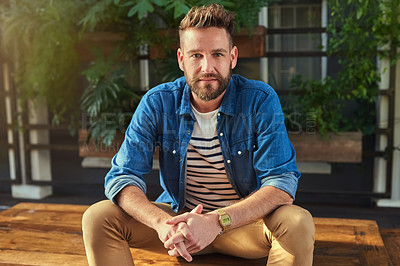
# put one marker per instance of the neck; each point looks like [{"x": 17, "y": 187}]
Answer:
[{"x": 206, "y": 106}]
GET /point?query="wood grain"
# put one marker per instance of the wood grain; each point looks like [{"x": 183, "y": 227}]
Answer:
[
  {"x": 50, "y": 234},
  {"x": 343, "y": 147},
  {"x": 391, "y": 239}
]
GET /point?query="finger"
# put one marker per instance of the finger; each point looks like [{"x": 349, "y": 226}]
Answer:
[
  {"x": 184, "y": 229},
  {"x": 180, "y": 249},
  {"x": 173, "y": 252},
  {"x": 171, "y": 232},
  {"x": 173, "y": 240},
  {"x": 177, "y": 219},
  {"x": 198, "y": 209}
]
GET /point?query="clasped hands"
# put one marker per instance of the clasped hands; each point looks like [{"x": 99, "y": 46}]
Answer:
[{"x": 189, "y": 233}]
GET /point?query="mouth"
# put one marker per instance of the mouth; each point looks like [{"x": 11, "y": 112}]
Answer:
[{"x": 208, "y": 79}]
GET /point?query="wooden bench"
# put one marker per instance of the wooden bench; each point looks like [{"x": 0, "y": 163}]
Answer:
[{"x": 50, "y": 234}]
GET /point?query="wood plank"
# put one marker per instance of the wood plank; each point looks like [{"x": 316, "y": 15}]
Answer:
[
  {"x": 99, "y": 150},
  {"x": 335, "y": 261},
  {"x": 107, "y": 41},
  {"x": 147, "y": 257},
  {"x": 372, "y": 249},
  {"x": 335, "y": 233},
  {"x": 250, "y": 46},
  {"x": 343, "y": 222},
  {"x": 41, "y": 241},
  {"x": 343, "y": 147},
  {"x": 41, "y": 216},
  {"x": 30, "y": 234},
  {"x": 344, "y": 238},
  {"x": 391, "y": 239},
  {"x": 335, "y": 244},
  {"x": 93, "y": 149},
  {"x": 47, "y": 207},
  {"x": 17, "y": 257},
  {"x": 47, "y": 219}
]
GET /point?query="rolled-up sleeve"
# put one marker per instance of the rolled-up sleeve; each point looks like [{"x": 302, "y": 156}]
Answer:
[
  {"x": 275, "y": 157},
  {"x": 135, "y": 156}
]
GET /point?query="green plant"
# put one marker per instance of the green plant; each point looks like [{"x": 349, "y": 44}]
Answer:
[
  {"x": 359, "y": 32},
  {"x": 246, "y": 11},
  {"x": 39, "y": 37},
  {"x": 109, "y": 100},
  {"x": 139, "y": 23},
  {"x": 315, "y": 107}
]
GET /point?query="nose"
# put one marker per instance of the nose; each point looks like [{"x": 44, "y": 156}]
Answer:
[{"x": 208, "y": 64}]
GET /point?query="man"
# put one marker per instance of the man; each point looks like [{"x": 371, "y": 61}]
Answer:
[{"x": 227, "y": 167}]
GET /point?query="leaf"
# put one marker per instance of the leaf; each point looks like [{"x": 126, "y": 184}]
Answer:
[
  {"x": 159, "y": 2},
  {"x": 180, "y": 10},
  {"x": 129, "y": 3},
  {"x": 141, "y": 8},
  {"x": 359, "y": 13},
  {"x": 179, "y": 6}
]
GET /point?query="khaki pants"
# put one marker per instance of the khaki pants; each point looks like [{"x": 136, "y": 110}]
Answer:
[{"x": 286, "y": 236}]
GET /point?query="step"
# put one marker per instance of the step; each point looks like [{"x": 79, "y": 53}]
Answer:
[{"x": 50, "y": 234}]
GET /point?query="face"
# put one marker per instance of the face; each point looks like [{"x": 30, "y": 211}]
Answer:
[{"x": 207, "y": 60}]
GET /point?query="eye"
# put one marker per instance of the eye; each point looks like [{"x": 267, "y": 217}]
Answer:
[
  {"x": 218, "y": 54},
  {"x": 196, "y": 55}
]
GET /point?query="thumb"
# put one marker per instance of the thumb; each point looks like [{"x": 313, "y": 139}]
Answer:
[{"x": 198, "y": 209}]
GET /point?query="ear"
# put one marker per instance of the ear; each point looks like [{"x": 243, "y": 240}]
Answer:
[
  {"x": 234, "y": 56},
  {"x": 179, "y": 54}
]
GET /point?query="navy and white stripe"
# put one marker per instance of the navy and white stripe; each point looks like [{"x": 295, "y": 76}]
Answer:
[{"x": 206, "y": 179}]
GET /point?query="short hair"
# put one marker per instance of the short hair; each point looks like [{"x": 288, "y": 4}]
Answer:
[{"x": 213, "y": 15}]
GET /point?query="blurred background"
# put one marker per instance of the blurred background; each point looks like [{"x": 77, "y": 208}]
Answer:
[{"x": 72, "y": 73}]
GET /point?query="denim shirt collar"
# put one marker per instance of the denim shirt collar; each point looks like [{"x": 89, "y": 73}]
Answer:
[
  {"x": 228, "y": 102},
  {"x": 185, "y": 108},
  {"x": 227, "y": 106}
]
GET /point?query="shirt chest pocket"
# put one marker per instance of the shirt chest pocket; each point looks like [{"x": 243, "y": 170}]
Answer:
[
  {"x": 242, "y": 160},
  {"x": 243, "y": 148}
]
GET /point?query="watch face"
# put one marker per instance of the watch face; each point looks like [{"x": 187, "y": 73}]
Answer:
[{"x": 226, "y": 220}]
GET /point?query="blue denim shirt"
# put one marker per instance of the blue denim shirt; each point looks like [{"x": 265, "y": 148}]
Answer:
[{"x": 251, "y": 131}]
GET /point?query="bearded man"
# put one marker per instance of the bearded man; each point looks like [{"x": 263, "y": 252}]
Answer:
[{"x": 227, "y": 168}]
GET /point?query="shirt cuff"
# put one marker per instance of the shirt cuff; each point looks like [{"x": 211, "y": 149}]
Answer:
[
  {"x": 286, "y": 182},
  {"x": 116, "y": 185}
]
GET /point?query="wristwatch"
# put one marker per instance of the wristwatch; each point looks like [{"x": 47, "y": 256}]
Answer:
[{"x": 224, "y": 220}]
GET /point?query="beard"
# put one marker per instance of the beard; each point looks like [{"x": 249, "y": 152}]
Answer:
[{"x": 207, "y": 92}]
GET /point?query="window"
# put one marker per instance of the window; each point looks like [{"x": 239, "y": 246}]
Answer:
[{"x": 294, "y": 42}]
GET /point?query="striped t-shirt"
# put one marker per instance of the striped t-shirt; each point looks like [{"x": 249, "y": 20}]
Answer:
[{"x": 206, "y": 179}]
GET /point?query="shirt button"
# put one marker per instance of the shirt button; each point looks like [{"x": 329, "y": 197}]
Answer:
[
  {"x": 254, "y": 146},
  {"x": 228, "y": 161},
  {"x": 188, "y": 132},
  {"x": 221, "y": 134},
  {"x": 174, "y": 151},
  {"x": 219, "y": 114},
  {"x": 239, "y": 152}
]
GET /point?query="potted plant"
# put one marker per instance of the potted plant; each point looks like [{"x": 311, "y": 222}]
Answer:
[
  {"x": 334, "y": 113},
  {"x": 108, "y": 103}
]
